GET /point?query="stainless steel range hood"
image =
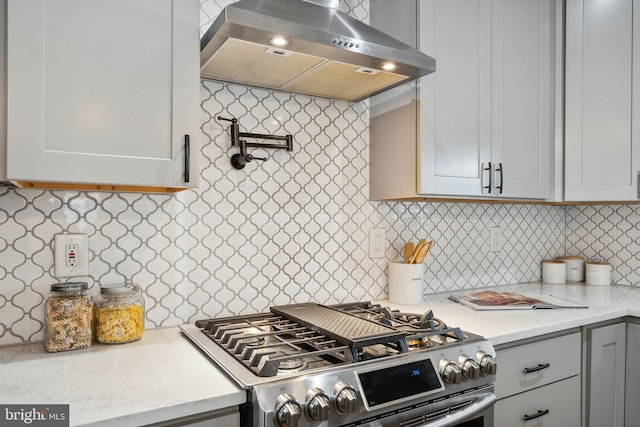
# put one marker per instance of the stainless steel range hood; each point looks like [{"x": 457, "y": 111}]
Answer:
[{"x": 325, "y": 52}]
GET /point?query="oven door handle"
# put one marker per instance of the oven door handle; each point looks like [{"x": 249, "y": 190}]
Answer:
[{"x": 482, "y": 403}]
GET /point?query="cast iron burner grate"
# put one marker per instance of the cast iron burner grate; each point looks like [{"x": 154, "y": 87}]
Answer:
[{"x": 307, "y": 336}]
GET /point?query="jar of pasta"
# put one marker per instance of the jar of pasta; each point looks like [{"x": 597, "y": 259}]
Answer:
[
  {"x": 119, "y": 314},
  {"x": 68, "y": 317}
]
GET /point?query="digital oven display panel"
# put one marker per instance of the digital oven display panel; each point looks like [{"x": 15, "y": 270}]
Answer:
[{"x": 387, "y": 385}]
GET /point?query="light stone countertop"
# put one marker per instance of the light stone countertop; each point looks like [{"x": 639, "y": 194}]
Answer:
[
  {"x": 164, "y": 377},
  {"x": 160, "y": 377},
  {"x": 506, "y": 326}
]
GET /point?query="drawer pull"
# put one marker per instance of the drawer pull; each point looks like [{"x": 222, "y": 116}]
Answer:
[
  {"x": 540, "y": 367},
  {"x": 533, "y": 417}
]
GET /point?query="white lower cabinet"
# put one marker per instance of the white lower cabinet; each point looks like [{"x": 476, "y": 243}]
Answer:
[
  {"x": 605, "y": 376},
  {"x": 632, "y": 377},
  {"x": 538, "y": 383},
  {"x": 229, "y": 417},
  {"x": 554, "y": 405}
]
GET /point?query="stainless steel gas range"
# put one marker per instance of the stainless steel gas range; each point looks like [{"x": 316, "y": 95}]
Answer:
[{"x": 357, "y": 364}]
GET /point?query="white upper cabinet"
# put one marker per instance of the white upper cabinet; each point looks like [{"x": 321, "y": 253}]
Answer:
[
  {"x": 602, "y": 145},
  {"x": 103, "y": 92},
  {"x": 455, "y": 101},
  {"x": 522, "y": 119},
  {"x": 484, "y": 121}
]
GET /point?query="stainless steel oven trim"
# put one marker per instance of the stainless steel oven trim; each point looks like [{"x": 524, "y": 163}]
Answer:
[
  {"x": 481, "y": 406},
  {"x": 435, "y": 413}
]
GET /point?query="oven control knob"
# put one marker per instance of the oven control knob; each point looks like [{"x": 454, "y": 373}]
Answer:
[
  {"x": 287, "y": 411},
  {"x": 318, "y": 404},
  {"x": 488, "y": 364},
  {"x": 346, "y": 398},
  {"x": 450, "y": 372},
  {"x": 469, "y": 367}
]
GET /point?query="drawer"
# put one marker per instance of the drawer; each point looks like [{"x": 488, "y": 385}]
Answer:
[
  {"x": 561, "y": 400},
  {"x": 561, "y": 354}
]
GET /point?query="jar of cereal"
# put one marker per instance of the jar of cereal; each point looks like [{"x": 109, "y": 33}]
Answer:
[
  {"x": 68, "y": 317},
  {"x": 119, "y": 314}
]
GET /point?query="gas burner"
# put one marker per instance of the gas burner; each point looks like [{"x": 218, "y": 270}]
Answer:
[
  {"x": 419, "y": 343},
  {"x": 292, "y": 365}
]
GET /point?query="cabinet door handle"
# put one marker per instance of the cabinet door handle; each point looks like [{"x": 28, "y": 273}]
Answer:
[
  {"x": 501, "y": 170},
  {"x": 540, "y": 367},
  {"x": 536, "y": 415},
  {"x": 490, "y": 185},
  {"x": 187, "y": 157}
]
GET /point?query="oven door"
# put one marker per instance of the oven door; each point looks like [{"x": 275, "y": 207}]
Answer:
[
  {"x": 481, "y": 419},
  {"x": 473, "y": 409}
]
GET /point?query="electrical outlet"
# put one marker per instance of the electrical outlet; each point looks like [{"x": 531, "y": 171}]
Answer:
[
  {"x": 495, "y": 239},
  {"x": 71, "y": 255},
  {"x": 377, "y": 242}
]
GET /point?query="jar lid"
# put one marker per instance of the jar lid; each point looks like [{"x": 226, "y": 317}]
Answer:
[
  {"x": 118, "y": 289},
  {"x": 552, "y": 261},
  {"x": 571, "y": 258},
  {"x": 69, "y": 286},
  {"x": 597, "y": 263}
]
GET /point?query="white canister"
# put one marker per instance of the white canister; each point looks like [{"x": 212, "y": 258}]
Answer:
[
  {"x": 575, "y": 267},
  {"x": 406, "y": 286},
  {"x": 554, "y": 271},
  {"x": 598, "y": 273}
]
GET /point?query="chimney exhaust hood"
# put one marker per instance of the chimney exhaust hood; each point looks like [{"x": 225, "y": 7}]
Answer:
[{"x": 308, "y": 47}]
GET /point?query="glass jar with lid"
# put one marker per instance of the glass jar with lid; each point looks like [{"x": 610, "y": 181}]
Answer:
[
  {"x": 119, "y": 314},
  {"x": 68, "y": 317}
]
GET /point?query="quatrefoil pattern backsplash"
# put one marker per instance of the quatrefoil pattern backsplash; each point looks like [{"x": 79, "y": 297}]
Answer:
[{"x": 292, "y": 229}]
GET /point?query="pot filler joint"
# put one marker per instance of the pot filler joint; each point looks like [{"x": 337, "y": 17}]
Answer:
[{"x": 239, "y": 160}]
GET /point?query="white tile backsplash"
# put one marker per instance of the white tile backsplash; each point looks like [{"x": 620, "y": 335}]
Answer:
[{"x": 292, "y": 229}]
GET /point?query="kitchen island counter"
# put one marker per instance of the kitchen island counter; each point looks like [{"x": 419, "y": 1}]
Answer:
[
  {"x": 160, "y": 377},
  {"x": 507, "y": 326}
]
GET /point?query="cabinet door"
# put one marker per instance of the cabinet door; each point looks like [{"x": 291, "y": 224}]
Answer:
[
  {"x": 602, "y": 152},
  {"x": 632, "y": 391},
  {"x": 102, "y": 92},
  {"x": 606, "y": 376},
  {"x": 522, "y": 97},
  {"x": 554, "y": 405},
  {"x": 455, "y": 101}
]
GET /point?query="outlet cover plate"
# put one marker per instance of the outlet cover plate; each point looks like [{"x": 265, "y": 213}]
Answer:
[
  {"x": 377, "y": 243},
  {"x": 495, "y": 239},
  {"x": 80, "y": 264}
]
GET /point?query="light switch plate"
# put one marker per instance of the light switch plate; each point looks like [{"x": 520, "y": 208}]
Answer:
[{"x": 71, "y": 255}]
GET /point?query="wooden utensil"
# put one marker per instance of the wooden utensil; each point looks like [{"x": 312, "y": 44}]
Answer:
[
  {"x": 408, "y": 251},
  {"x": 420, "y": 256},
  {"x": 416, "y": 251},
  {"x": 430, "y": 245},
  {"x": 423, "y": 252}
]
